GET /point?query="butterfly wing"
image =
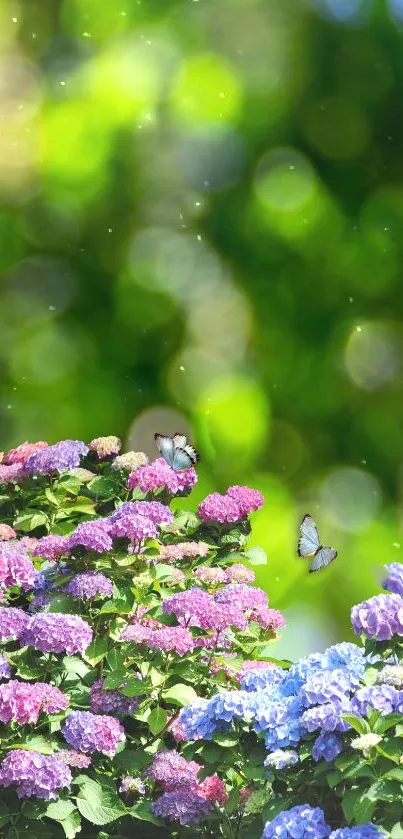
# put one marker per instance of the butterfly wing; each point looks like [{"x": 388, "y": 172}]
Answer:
[
  {"x": 179, "y": 441},
  {"x": 166, "y": 447},
  {"x": 181, "y": 460},
  {"x": 308, "y": 542},
  {"x": 193, "y": 454},
  {"x": 322, "y": 558}
]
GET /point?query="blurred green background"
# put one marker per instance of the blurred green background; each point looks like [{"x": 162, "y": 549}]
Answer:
[{"x": 201, "y": 229}]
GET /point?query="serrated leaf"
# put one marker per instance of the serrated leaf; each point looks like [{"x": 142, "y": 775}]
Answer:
[
  {"x": 256, "y": 556},
  {"x": 143, "y": 811},
  {"x": 113, "y": 681},
  {"x": 103, "y": 486},
  {"x": 60, "y": 810},
  {"x": 180, "y": 694},
  {"x": 134, "y": 687},
  {"x": 100, "y": 804},
  {"x": 364, "y": 809},
  {"x": 96, "y": 651},
  {"x": 37, "y": 743},
  {"x": 357, "y": 723},
  {"x": 30, "y": 520},
  {"x": 386, "y": 722},
  {"x": 71, "y": 825},
  {"x": 157, "y": 720}
]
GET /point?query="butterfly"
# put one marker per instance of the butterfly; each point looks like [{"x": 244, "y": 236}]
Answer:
[
  {"x": 309, "y": 545},
  {"x": 176, "y": 451}
]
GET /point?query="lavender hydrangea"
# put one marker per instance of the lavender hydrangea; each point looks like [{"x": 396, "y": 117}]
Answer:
[
  {"x": 173, "y": 771},
  {"x": 24, "y": 701},
  {"x": 380, "y": 617},
  {"x": 281, "y": 758},
  {"x": 394, "y": 581},
  {"x": 153, "y": 510},
  {"x": 383, "y": 698},
  {"x": 302, "y": 821},
  {"x": 134, "y": 527},
  {"x": 167, "y": 639},
  {"x": 92, "y": 535},
  {"x": 16, "y": 568},
  {"x": 362, "y": 831},
  {"x": 110, "y": 701},
  {"x": 12, "y": 622},
  {"x": 327, "y": 717},
  {"x": 327, "y": 686},
  {"x": 88, "y": 732},
  {"x": 198, "y": 608},
  {"x": 5, "y": 668},
  {"x": 54, "y": 632},
  {"x": 64, "y": 455},
  {"x": 89, "y": 585},
  {"x": 51, "y": 547},
  {"x": 159, "y": 474},
  {"x": 34, "y": 774},
  {"x": 182, "y": 807},
  {"x": 326, "y": 747}
]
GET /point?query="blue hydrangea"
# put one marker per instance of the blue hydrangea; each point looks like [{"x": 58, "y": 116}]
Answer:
[
  {"x": 281, "y": 758},
  {"x": 362, "y": 831},
  {"x": 280, "y": 722},
  {"x": 326, "y": 717},
  {"x": 258, "y": 679},
  {"x": 328, "y": 686},
  {"x": 204, "y": 718},
  {"x": 348, "y": 656},
  {"x": 301, "y": 670},
  {"x": 302, "y": 822},
  {"x": 326, "y": 747}
]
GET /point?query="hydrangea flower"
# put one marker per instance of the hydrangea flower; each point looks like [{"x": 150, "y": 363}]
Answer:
[
  {"x": 6, "y": 532},
  {"x": 5, "y": 668},
  {"x": 12, "y": 622},
  {"x": 51, "y": 547},
  {"x": 302, "y": 822},
  {"x": 177, "y": 578},
  {"x": 16, "y": 568},
  {"x": 167, "y": 639},
  {"x": 239, "y": 573},
  {"x": 90, "y": 584},
  {"x": 130, "y": 461},
  {"x": 64, "y": 455},
  {"x": 247, "y": 499},
  {"x": 391, "y": 674},
  {"x": 55, "y": 632},
  {"x": 366, "y": 742},
  {"x": 182, "y": 807},
  {"x": 88, "y": 732},
  {"x": 281, "y": 758},
  {"x": 380, "y": 617},
  {"x": 280, "y": 721},
  {"x": 132, "y": 786},
  {"x": 110, "y": 701},
  {"x": 326, "y": 747},
  {"x": 362, "y": 831},
  {"x": 327, "y": 717},
  {"x": 394, "y": 581},
  {"x": 383, "y": 698},
  {"x": 262, "y": 677},
  {"x": 209, "y": 575},
  {"x": 159, "y": 474},
  {"x": 154, "y": 510},
  {"x": 220, "y": 508},
  {"x": 22, "y": 452},
  {"x": 24, "y": 701},
  {"x": 92, "y": 535},
  {"x": 203, "y": 718},
  {"x": 327, "y": 686},
  {"x": 133, "y": 527},
  {"x": 34, "y": 774},
  {"x": 173, "y": 771},
  {"x": 73, "y": 758},
  {"x": 105, "y": 446},
  {"x": 11, "y": 474},
  {"x": 213, "y": 789},
  {"x": 196, "y": 607},
  {"x": 183, "y": 550}
]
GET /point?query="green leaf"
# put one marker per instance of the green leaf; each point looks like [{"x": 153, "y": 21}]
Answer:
[
  {"x": 113, "y": 681},
  {"x": 357, "y": 723},
  {"x": 371, "y": 675},
  {"x": 71, "y": 825},
  {"x": 132, "y": 760},
  {"x": 99, "y": 802},
  {"x": 75, "y": 665},
  {"x": 60, "y": 810},
  {"x": 180, "y": 695},
  {"x": 225, "y": 739},
  {"x": 364, "y": 809},
  {"x": 162, "y": 571},
  {"x": 397, "y": 831},
  {"x": 96, "y": 651},
  {"x": 157, "y": 720},
  {"x": 256, "y": 556},
  {"x": 134, "y": 687},
  {"x": 61, "y": 603},
  {"x": 350, "y": 798},
  {"x": 382, "y": 790},
  {"x": 143, "y": 811},
  {"x": 115, "y": 659},
  {"x": 37, "y": 743},
  {"x": 384, "y": 723},
  {"x": 103, "y": 487},
  {"x": 394, "y": 774},
  {"x": 30, "y": 520}
]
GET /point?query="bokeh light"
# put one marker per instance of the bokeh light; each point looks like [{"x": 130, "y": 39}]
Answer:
[{"x": 373, "y": 355}]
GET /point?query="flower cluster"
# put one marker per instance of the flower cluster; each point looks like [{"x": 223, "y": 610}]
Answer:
[
  {"x": 6, "y": 532},
  {"x": 183, "y": 550},
  {"x": 12, "y": 622},
  {"x": 105, "y": 446},
  {"x": 90, "y": 584},
  {"x": 23, "y": 452},
  {"x": 158, "y": 475},
  {"x": 167, "y": 639},
  {"x": 184, "y": 799},
  {"x": 51, "y": 547},
  {"x": 16, "y": 568},
  {"x": 380, "y": 617},
  {"x": 34, "y": 774},
  {"x": 91, "y": 535},
  {"x": 110, "y": 701},
  {"x": 57, "y": 633},
  {"x": 24, "y": 701},
  {"x": 236, "y": 504},
  {"x": 130, "y": 461},
  {"x": 89, "y": 732},
  {"x": 57, "y": 458},
  {"x": 153, "y": 510}
]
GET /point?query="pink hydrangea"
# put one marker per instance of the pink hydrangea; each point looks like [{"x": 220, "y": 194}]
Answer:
[
  {"x": 167, "y": 639},
  {"x": 159, "y": 474},
  {"x": 24, "y": 701},
  {"x": 183, "y": 550},
  {"x": 177, "y": 578},
  {"x": 6, "y": 532},
  {"x": 239, "y": 574},
  {"x": 12, "y": 622},
  {"x": 22, "y": 452},
  {"x": 134, "y": 527},
  {"x": 210, "y": 576},
  {"x": 28, "y": 543},
  {"x": 51, "y": 547},
  {"x": 105, "y": 446},
  {"x": 73, "y": 758},
  {"x": 196, "y": 607},
  {"x": 173, "y": 771},
  {"x": 220, "y": 508},
  {"x": 213, "y": 789},
  {"x": 11, "y": 474},
  {"x": 247, "y": 499},
  {"x": 16, "y": 568}
]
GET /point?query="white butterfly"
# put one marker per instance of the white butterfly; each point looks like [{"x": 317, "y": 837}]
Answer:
[
  {"x": 176, "y": 451},
  {"x": 309, "y": 545}
]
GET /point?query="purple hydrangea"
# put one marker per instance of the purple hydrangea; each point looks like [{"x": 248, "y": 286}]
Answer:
[
  {"x": 247, "y": 499},
  {"x": 154, "y": 510},
  {"x": 173, "y": 771},
  {"x": 394, "y": 581},
  {"x": 362, "y": 831},
  {"x": 327, "y": 717},
  {"x": 11, "y": 474},
  {"x": 92, "y": 535},
  {"x": 64, "y": 455},
  {"x": 327, "y": 746},
  {"x": 54, "y": 632},
  {"x": 89, "y": 732},
  {"x": 302, "y": 822},
  {"x": 16, "y": 568},
  {"x": 51, "y": 547},
  {"x": 24, "y": 701},
  {"x": 196, "y": 607},
  {"x": 383, "y": 698},
  {"x": 133, "y": 527},
  {"x": 167, "y": 639},
  {"x": 253, "y": 602},
  {"x": 73, "y": 758},
  {"x": 183, "y": 807},
  {"x": 110, "y": 701},
  {"x": 159, "y": 474},
  {"x": 90, "y": 584},
  {"x": 327, "y": 686},
  {"x": 281, "y": 758},
  {"x": 34, "y": 774},
  {"x": 380, "y": 617},
  {"x": 12, "y": 622},
  {"x": 221, "y": 508},
  {"x": 5, "y": 668}
]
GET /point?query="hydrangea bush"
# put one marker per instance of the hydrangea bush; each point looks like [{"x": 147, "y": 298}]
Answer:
[{"x": 139, "y": 695}]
